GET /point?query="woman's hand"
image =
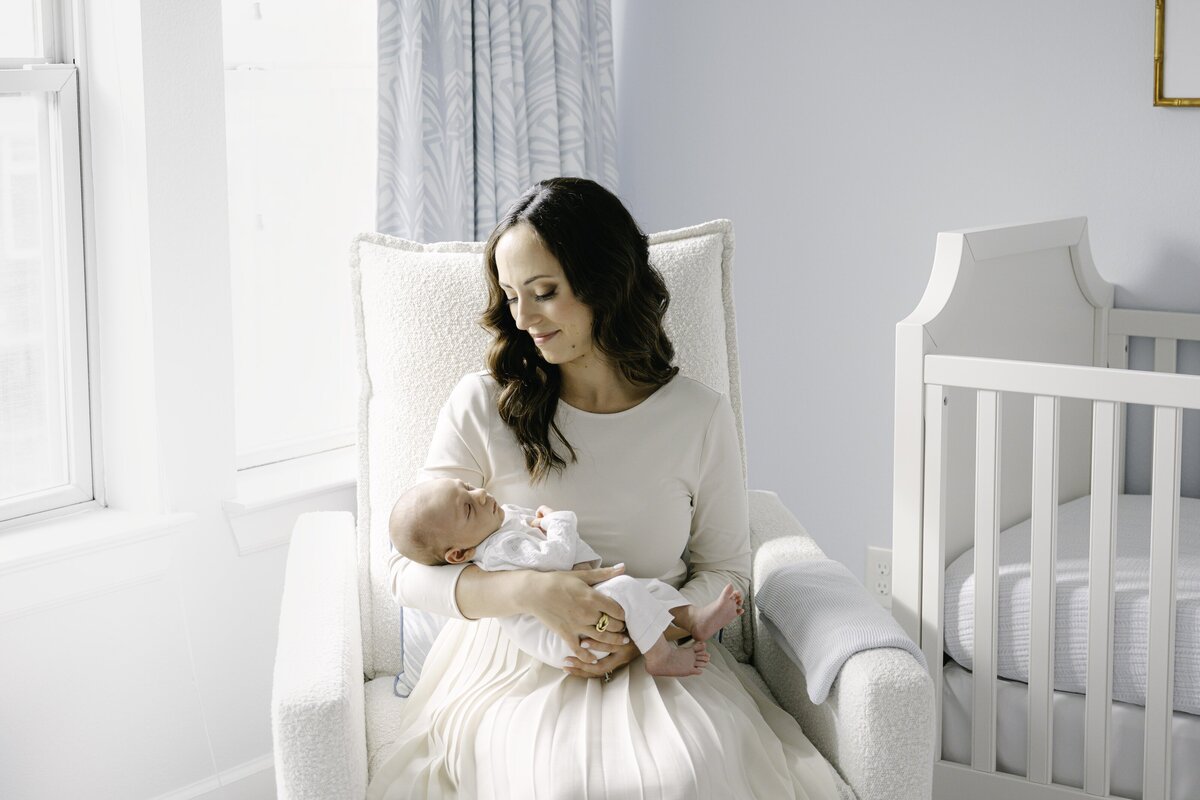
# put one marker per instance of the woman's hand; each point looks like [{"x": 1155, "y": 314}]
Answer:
[
  {"x": 603, "y": 668},
  {"x": 566, "y": 603}
]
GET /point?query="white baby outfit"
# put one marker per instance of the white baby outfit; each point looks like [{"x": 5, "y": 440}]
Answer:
[{"x": 518, "y": 545}]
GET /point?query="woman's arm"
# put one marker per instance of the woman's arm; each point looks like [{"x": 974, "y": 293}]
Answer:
[
  {"x": 719, "y": 543},
  {"x": 564, "y": 602}
]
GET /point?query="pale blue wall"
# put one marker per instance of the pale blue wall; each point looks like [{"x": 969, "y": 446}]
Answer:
[{"x": 840, "y": 138}]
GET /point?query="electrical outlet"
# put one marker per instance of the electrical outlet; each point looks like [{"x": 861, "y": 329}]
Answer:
[{"x": 878, "y": 577}]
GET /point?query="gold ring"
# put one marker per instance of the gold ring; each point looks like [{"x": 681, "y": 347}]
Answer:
[{"x": 602, "y": 623}]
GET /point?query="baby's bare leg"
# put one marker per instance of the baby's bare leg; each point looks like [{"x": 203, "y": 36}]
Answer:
[
  {"x": 674, "y": 633},
  {"x": 704, "y": 621},
  {"x": 666, "y": 659}
]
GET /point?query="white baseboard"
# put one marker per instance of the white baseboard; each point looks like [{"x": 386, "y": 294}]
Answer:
[{"x": 254, "y": 780}]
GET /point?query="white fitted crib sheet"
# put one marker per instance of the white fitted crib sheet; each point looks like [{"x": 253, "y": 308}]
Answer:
[
  {"x": 1128, "y": 725},
  {"x": 1131, "y": 580}
]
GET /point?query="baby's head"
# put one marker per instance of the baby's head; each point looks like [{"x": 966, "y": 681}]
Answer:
[{"x": 442, "y": 521}]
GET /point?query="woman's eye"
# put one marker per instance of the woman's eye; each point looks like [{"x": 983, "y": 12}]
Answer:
[
  {"x": 508, "y": 301},
  {"x": 546, "y": 296}
]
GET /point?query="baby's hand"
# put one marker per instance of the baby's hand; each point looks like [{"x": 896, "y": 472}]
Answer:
[{"x": 543, "y": 511}]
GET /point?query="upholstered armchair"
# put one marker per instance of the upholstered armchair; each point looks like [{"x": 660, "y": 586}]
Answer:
[{"x": 339, "y": 651}]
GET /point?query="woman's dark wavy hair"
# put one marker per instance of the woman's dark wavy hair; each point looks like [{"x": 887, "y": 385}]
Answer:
[{"x": 606, "y": 259}]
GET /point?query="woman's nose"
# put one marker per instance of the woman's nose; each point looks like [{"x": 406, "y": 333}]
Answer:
[{"x": 523, "y": 314}]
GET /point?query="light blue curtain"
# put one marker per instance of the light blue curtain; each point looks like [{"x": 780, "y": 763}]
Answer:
[{"x": 478, "y": 99}]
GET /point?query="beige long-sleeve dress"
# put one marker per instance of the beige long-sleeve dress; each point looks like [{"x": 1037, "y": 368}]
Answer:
[{"x": 658, "y": 487}]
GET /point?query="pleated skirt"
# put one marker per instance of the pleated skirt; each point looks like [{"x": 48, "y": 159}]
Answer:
[{"x": 489, "y": 721}]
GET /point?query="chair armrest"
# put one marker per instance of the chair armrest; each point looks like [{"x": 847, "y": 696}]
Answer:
[
  {"x": 876, "y": 728},
  {"x": 318, "y": 715}
]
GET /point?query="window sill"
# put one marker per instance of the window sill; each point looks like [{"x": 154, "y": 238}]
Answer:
[
  {"x": 269, "y": 498},
  {"x": 46, "y": 564},
  {"x": 80, "y": 534}
]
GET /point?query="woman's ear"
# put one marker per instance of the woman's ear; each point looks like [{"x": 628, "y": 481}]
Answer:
[{"x": 457, "y": 555}]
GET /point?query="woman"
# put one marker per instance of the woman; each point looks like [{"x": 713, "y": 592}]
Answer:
[{"x": 581, "y": 409}]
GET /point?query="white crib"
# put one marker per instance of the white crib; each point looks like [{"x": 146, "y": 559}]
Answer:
[{"x": 1011, "y": 394}]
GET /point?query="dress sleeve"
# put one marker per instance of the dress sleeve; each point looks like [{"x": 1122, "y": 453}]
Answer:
[
  {"x": 719, "y": 543},
  {"x": 458, "y": 450}
]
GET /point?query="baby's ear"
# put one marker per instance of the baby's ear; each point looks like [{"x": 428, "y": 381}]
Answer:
[{"x": 457, "y": 555}]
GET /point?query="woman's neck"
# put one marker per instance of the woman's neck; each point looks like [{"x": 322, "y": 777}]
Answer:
[{"x": 594, "y": 386}]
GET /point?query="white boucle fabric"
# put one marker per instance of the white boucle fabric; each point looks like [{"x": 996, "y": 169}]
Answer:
[
  {"x": 416, "y": 309},
  {"x": 821, "y": 616},
  {"x": 1131, "y": 605},
  {"x": 317, "y": 706},
  {"x": 876, "y": 727}
]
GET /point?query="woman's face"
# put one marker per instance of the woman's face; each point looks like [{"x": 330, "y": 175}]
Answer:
[{"x": 540, "y": 299}]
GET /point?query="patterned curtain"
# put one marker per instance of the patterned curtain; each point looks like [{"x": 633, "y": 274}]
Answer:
[{"x": 478, "y": 99}]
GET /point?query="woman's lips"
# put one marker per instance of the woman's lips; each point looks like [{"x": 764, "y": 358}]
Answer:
[{"x": 541, "y": 338}]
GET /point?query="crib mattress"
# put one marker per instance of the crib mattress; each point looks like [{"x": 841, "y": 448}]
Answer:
[
  {"x": 1131, "y": 608},
  {"x": 1128, "y": 724}
]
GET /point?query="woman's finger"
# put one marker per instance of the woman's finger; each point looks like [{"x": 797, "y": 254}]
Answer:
[
  {"x": 583, "y": 654},
  {"x": 606, "y": 642},
  {"x": 615, "y": 627},
  {"x": 611, "y": 608},
  {"x": 589, "y": 670}
]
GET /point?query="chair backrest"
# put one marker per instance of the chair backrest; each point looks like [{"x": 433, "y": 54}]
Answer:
[{"x": 416, "y": 311}]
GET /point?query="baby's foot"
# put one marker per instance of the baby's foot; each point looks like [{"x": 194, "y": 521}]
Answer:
[
  {"x": 709, "y": 619},
  {"x": 668, "y": 660}
]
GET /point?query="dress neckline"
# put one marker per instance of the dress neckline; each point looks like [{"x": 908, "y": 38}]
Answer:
[{"x": 645, "y": 401}]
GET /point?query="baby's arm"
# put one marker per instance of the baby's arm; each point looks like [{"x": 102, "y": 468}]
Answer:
[
  {"x": 585, "y": 557},
  {"x": 555, "y": 551}
]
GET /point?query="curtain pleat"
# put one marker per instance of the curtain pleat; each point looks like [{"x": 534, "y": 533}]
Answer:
[{"x": 478, "y": 99}]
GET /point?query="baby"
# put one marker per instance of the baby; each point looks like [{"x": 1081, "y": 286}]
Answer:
[{"x": 447, "y": 521}]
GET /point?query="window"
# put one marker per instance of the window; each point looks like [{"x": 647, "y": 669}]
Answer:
[
  {"x": 45, "y": 410},
  {"x": 300, "y": 120}
]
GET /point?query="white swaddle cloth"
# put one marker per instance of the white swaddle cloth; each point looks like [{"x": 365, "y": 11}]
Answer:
[{"x": 516, "y": 544}]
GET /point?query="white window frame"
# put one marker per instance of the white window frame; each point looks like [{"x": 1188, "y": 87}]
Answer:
[{"x": 59, "y": 84}]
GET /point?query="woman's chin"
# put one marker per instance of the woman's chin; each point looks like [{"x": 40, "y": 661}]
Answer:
[{"x": 550, "y": 356}]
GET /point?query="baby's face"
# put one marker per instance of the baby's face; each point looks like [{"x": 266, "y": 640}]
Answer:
[{"x": 468, "y": 513}]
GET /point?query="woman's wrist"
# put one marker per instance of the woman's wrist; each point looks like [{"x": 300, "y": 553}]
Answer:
[{"x": 495, "y": 594}]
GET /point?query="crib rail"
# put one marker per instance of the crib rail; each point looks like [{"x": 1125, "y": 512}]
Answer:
[
  {"x": 1108, "y": 390},
  {"x": 1064, "y": 380}
]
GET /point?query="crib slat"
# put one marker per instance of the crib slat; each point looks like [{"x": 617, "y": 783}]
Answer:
[
  {"x": 1042, "y": 586},
  {"x": 987, "y": 480},
  {"x": 1118, "y": 358},
  {"x": 933, "y": 548},
  {"x": 1164, "y": 354},
  {"x": 1164, "y": 545},
  {"x": 1101, "y": 554}
]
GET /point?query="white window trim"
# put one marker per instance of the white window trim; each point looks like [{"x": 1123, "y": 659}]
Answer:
[{"x": 60, "y": 84}]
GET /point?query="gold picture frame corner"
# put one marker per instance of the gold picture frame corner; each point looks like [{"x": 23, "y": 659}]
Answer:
[{"x": 1159, "y": 38}]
